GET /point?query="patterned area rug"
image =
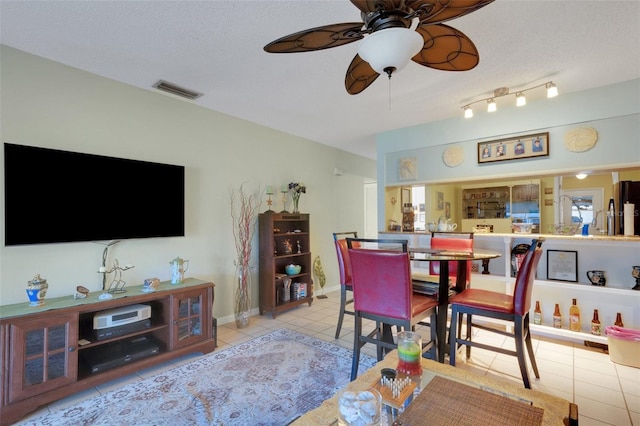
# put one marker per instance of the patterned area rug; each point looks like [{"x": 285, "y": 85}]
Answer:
[{"x": 270, "y": 380}]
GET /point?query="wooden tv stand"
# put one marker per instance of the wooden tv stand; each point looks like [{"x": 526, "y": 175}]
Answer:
[{"x": 42, "y": 347}]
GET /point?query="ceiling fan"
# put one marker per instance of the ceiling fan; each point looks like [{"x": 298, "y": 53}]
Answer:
[{"x": 391, "y": 41}]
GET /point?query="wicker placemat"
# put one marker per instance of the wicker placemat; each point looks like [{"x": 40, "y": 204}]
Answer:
[{"x": 445, "y": 402}]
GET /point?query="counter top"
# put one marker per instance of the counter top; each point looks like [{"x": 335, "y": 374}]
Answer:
[
  {"x": 620, "y": 238},
  {"x": 19, "y": 309}
]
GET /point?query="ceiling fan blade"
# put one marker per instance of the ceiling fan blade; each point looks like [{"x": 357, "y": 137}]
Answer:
[
  {"x": 445, "y": 10},
  {"x": 368, "y": 6},
  {"x": 359, "y": 76},
  {"x": 317, "y": 38},
  {"x": 446, "y": 49}
]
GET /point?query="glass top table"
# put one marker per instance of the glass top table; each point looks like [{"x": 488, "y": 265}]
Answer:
[
  {"x": 444, "y": 257},
  {"x": 556, "y": 410}
]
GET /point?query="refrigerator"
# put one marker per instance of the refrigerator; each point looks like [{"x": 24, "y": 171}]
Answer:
[{"x": 628, "y": 191}]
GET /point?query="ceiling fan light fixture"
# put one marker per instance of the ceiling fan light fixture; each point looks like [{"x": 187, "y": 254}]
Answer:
[
  {"x": 391, "y": 49},
  {"x": 552, "y": 90},
  {"x": 520, "y": 99},
  {"x": 491, "y": 105}
]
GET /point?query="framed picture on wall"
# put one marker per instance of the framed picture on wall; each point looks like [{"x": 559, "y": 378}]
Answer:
[
  {"x": 562, "y": 265},
  {"x": 515, "y": 148},
  {"x": 408, "y": 168},
  {"x": 447, "y": 210},
  {"x": 439, "y": 200}
]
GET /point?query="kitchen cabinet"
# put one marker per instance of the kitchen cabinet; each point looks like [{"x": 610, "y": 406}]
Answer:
[{"x": 501, "y": 205}]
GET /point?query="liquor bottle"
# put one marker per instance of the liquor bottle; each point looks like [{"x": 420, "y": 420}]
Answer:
[
  {"x": 596, "y": 327},
  {"x": 537, "y": 314},
  {"x": 619, "y": 320},
  {"x": 574, "y": 317},
  {"x": 557, "y": 317}
]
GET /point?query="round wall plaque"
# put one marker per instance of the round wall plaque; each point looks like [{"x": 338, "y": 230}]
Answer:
[
  {"x": 453, "y": 156},
  {"x": 580, "y": 139}
]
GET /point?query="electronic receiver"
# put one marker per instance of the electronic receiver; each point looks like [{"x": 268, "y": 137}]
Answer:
[{"x": 121, "y": 316}]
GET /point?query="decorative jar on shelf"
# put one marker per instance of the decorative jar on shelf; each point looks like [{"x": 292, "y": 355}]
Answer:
[
  {"x": 178, "y": 268},
  {"x": 37, "y": 290}
]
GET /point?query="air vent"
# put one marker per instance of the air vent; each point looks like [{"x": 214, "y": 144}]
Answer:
[{"x": 174, "y": 89}]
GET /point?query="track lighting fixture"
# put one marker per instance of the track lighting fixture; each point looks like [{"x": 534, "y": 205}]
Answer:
[{"x": 521, "y": 100}]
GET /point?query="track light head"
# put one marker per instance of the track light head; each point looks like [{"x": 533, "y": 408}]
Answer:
[{"x": 491, "y": 105}]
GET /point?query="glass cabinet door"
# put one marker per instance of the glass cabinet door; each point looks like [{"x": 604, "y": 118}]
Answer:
[
  {"x": 188, "y": 322},
  {"x": 44, "y": 355},
  {"x": 485, "y": 203},
  {"x": 525, "y": 204}
]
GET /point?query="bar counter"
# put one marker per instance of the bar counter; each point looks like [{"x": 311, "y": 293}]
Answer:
[{"x": 603, "y": 237}]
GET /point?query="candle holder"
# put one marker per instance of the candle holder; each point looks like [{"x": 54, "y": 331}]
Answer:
[
  {"x": 269, "y": 191},
  {"x": 284, "y": 190}
]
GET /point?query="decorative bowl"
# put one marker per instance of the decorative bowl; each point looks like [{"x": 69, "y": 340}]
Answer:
[
  {"x": 562, "y": 229},
  {"x": 522, "y": 228},
  {"x": 292, "y": 269}
]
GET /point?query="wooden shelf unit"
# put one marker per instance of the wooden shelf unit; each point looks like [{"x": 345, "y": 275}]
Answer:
[
  {"x": 42, "y": 347},
  {"x": 275, "y": 230}
]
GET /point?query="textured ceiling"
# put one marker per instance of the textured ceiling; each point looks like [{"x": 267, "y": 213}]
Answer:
[{"x": 215, "y": 47}]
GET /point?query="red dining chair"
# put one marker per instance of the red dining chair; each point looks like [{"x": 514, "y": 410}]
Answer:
[
  {"x": 344, "y": 268},
  {"x": 490, "y": 304},
  {"x": 453, "y": 241},
  {"x": 382, "y": 292}
]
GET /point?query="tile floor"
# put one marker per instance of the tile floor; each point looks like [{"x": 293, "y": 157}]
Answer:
[{"x": 606, "y": 393}]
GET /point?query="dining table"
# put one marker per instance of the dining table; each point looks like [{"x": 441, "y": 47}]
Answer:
[{"x": 425, "y": 254}]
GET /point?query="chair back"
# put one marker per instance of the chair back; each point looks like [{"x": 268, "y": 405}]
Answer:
[
  {"x": 455, "y": 241},
  {"x": 381, "y": 278},
  {"x": 525, "y": 278},
  {"x": 344, "y": 266}
]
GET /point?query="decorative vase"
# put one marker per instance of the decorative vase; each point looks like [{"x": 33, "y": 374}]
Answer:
[
  {"x": 296, "y": 199},
  {"x": 242, "y": 306},
  {"x": 37, "y": 290}
]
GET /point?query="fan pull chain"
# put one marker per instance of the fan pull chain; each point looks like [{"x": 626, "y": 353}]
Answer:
[{"x": 389, "y": 92}]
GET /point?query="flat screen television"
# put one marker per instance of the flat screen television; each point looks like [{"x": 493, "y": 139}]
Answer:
[{"x": 54, "y": 196}]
